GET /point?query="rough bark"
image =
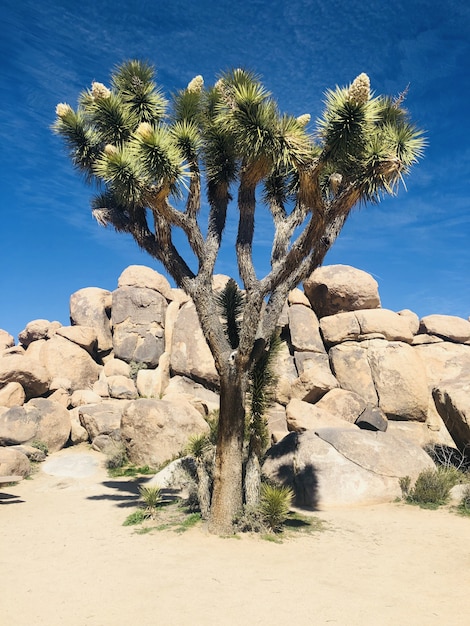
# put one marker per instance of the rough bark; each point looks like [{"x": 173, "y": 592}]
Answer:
[
  {"x": 252, "y": 480},
  {"x": 228, "y": 487}
]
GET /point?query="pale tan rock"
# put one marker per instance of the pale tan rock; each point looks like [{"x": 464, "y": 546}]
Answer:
[
  {"x": 6, "y": 340},
  {"x": 32, "y": 375},
  {"x": 156, "y": 430},
  {"x": 205, "y": 398},
  {"x": 116, "y": 367},
  {"x": 170, "y": 321},
  {"x": 61, "y": 396},
  {"x": 354, "y": 325},
  {"x": 334, "y": 289},
  {"x": 452, "y": 399},
  {"x": 142, "y": 276},
  {"x": 84, "y": 396},
  {"x": 64, "y": 359},
  {"x": 103, "y": 418},
  {"x": 297, "y": 296},
  {"x": 285, "y": 372},
  {"x": 449, "y": 327},
  {"x": 91, "y": 307},
  {"x": 444, "y": 360},
  {"x": 14, "y": 463},
  {"x": 190, "y": 354},
  {"x": 350, "y": 366},
  {"x": 153, "y": 383},
  {"x": 313, "y": 383},
  {"x": 276, "y": 421},
  {"x": 121, "y": 388},
  {"x": 54, "y": 423},
  {"x": 302, "y": 416},
  {"x": 38, "y": 329},
  {"x": 12, "y": 394},
  {"x": 304, "y": 329},
  {"x": 412, "y": 319},
  {"x": 343, "y": 404},
  {"x": 83, "y": 336}
]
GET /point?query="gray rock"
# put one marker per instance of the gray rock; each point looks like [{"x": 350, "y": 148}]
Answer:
[
  {"x": 14, "y": 463},
  {"x": 54, "y": 423},
  {"x": 372, "y": 418},
  {"x": 344, "y": 404},
  {"x": 452, "y": 400},
  {"x": 102, "y": 418}
]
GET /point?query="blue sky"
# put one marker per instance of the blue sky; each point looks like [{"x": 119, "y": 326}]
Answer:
[{"x": 416, "y": 245}]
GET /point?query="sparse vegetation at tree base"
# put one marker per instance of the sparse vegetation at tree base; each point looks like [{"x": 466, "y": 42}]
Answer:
[{"x": 432, "y": 487}]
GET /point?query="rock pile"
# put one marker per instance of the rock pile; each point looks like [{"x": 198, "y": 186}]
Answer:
[{"x": 361, "y": 389}]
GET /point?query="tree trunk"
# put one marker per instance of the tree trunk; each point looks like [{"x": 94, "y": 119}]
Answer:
[
  {"x": 203, "y": 488},
  {"x": 227, "y": 496}
]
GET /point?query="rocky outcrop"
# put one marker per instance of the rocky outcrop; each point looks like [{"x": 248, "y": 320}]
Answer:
[{"x": 134, "y": 367}]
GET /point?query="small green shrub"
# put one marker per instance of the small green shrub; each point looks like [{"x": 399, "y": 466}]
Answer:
[
  {"x": 432, "y": 487},
  {"x": 116, "y": 456},
  {"x": 135, "y": 518},
  {"x": 134, "y": 368},
  {"x": 250, "y": 520},
  {"x": 150, "y": 494},
  {"x": 464, "y": 506},
  {"x": 405, "y": 486},
  {"x": 275, "y": 502},
  {"x": 40, "y": 445}
]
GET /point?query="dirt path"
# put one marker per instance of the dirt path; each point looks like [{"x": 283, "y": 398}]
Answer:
[{"x": 67, "y": 560}]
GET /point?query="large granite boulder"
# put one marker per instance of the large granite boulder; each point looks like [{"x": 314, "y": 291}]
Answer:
[
  {"x": 14, "y": 463},
  {"x": 6, "y": 340},
  {"x": 443, "y": 360},
  {"x": 315, "y": 378},
  {"x": 452, "y": 400},
  {"x": 304, "y": 329},
  {"x": 342, "y": 403},
  {"x": 12, "y": 394},
  {"x": 449, "y": 327},
  {"x": 344, "y": 467},
  {"x": 91, "y": 307},
  {"x": 32, "y": 375},
  {"x": 190, "y": 354},
  {"x": 333, "y": 289},
  {"x": 84, "y": 336},
  {"x": 154, "y": 431},
  {"x": 38, "y": 329},
  {"x": 39, "y": 419},
  {"x": 102, "y": 418},
  {"x": 64, "y": 359},
  {"x": 389, "y": 374},
  {"x": 138, "y": 318},
  {"x": 302, "y": 416},
  {"x": 369, "y": 323},
  {"x": 145, "y": 277}
]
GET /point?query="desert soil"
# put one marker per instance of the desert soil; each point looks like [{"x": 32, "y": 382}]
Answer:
[{"x": 66, "y": 559}]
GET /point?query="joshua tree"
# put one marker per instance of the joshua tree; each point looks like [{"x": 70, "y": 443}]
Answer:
[{"x": 150, "y": 158}]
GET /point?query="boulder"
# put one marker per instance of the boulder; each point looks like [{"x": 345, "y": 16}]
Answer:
[
  {"x": 449, "y": 327},
  {"x": 116, "y": 367},
  {"x": 34, "y": 454},
  {"x": 84, "y": 396},
  {"x": 38, "y": 329},
  {"x": 14, "y": 463},
  {"x": 190, "y": 354},
  {"x": 12, "y": 394},
  {"x": 443, "y": 361},
  {"x": 315, "y": 380},
  {"x": 276, "y": 421},
  {"x": 176, "y": 478},
  {"x": 146, "y": 277},
  {"x": 196, "y": 393},
  {"x": 28, "y": 372},
  {"x": 372, "y": 418},
  {"x": 138, "y": 317},
  {"x": 452, "y": 399},
  {"x": 412, "y": 320},
  {"x": 102, "y": 418},
  {"x": 64, "y": 359},
  {"x": 39, "y": 419},
  {"x": 333, "y": 289},
  {"x": 365, "y": 324},
  {"x": 91, "y": 307},
  {"x": 154, "y": 431},
  {"x": 153, "y": 383},
  {"x": 344, "y": 404},
  {"x": 6, "y": 340},
  {"x": 296, "y": 296},
  {"x": 304, "y": 329},
  {"x": 343, "y": 467},
  {"x": 54, "y": 423},
  {"x": 389, "y": 374},
  {"x": 302, "y": 416},
  {"x": 285, "y": 372},
  {"x": 121, "y": 388},
  {"x": 83, "y": 336}
]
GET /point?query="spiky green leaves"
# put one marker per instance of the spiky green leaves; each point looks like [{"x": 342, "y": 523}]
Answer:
[
  {"x": 134, "y": 82},
  {"x": 231, "y": 303}
]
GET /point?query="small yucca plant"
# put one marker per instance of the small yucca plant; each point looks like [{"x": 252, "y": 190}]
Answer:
[
  {"x": 150, "y": 494},
  {"x": 275, "y": 503}
]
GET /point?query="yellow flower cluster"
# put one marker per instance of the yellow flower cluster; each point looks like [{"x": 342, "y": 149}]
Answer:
[
  {"x": 98, "y": 90},
  {"x": 359, "y": 91},
  {"x": 62, "y": 109},
  {"x": 304, "y": 119},
  {"x": 144, "y": 130},
  {"x": 109, "y": 149},
  {"x": 196, "y": 85}
]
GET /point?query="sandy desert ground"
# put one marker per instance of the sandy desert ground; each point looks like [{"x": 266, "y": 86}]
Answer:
[{"x": 66, "y": 559}]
